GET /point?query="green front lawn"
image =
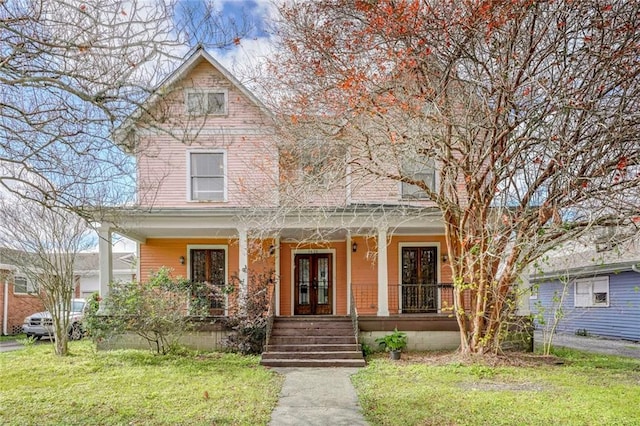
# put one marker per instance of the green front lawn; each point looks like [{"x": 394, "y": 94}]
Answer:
[
  {"x": 13, "y": 337},
  {"x": 130, "y": 387},
  {"x": 436, "y": 390}
]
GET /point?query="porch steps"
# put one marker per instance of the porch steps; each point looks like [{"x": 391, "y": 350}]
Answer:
[{"x": 314, "y": 341}]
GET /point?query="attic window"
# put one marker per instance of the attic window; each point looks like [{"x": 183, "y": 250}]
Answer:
[{"x": 206, "y": 102}]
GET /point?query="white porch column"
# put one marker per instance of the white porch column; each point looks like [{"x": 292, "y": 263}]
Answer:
[
  {"x": 243, "y": 261},
  {"x": 349, "y": 253},
  {"x": 277, "y": 289},
  {"x": 383, "y": 281},
  {"x": 105, "y": 250}
]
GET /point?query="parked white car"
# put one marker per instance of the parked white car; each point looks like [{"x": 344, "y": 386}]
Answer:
[{"x": 40, "y": 324}]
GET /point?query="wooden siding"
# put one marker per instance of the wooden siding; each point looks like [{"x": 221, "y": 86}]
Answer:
[
  {"x": 620, "y": 320},
  {"x": 364, "y": 274},
  {"x": 243, "y": 134},
  {"x": 159, "y": 252}
]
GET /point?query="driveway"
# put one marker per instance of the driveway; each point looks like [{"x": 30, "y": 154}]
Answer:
[
  {"x": 10, "y": 345},
  {"x": 594, "y": 344}
]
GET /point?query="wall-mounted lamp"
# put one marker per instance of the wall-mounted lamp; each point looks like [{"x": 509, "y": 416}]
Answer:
[
  {"x": 445, "y": 258},
  {"x": 272, "y": 250},
  {"x": 181, "y": 260},
  {"x": 354, "y": 247}
]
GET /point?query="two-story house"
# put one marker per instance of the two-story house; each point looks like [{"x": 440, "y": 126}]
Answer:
[{"x": 211, "y": 206}]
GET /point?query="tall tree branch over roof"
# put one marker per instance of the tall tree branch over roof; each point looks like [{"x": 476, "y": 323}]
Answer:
[
  {"x": 70, "y": 74},
  {"x": 529, "y": 109}
]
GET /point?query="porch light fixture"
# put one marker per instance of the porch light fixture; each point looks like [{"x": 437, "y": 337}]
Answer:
[
  {"x": 181, "y": 260},
  {"x": 354, "y": 247},
  {"x": 445, "y": 258},
  {"x": 272, "y": 250}
]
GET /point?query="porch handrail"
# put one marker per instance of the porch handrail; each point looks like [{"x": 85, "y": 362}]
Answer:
[
  {"x": 353, "y": 312},
  {"x": 271, "y": 313}
]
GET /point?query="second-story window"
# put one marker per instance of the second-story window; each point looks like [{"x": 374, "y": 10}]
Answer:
[
  {"x": 21, "y": 285},
  {"x": 206, "y": 102},
  {"x": 207, "y": 176},
  {"x": 418, "y": 168}
]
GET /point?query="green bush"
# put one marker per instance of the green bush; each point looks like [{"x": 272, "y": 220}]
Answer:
[{"x": 155, "y": 310}]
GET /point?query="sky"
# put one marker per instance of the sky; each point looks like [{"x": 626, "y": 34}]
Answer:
[{"x": 239, "y": 59}]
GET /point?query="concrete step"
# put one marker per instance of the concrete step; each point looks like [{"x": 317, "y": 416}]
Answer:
[
  {"x": 313, "y": 348},
  {"x": 310, "y": 340},
  {"x": 313, "y": 362},
  {"x": 313, "y": 341},
  {"x": 289, "y": 323},
  {"x": 312, "y": 355},
  {"x": 282, "y": 331}
]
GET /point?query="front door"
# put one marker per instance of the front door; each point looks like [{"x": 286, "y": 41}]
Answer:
[
  {"x": 313, "y": 284},
  {"x": 419, "y": 279}
]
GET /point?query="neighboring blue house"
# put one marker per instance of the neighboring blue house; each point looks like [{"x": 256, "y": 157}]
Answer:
[{"x": 600, "y": 292}]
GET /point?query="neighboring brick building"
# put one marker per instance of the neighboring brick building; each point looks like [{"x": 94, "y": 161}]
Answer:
[{"x": 15, "y": 301}]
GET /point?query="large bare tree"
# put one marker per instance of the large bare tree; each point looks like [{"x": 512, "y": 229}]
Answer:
[
  {"x": 43, "y": 243},
  {"x": 71, "y": 72},
  {"x": 528, "y": 111}
]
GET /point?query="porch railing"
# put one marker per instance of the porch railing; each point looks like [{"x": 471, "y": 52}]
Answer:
[
  {"x": 353, "y": 312},
  {"x": 404, "y": 298}
]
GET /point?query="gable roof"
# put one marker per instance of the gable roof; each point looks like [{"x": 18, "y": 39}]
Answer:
[
  {"x": 584, "y": 260},
  {"x": 84, "y": 263},
  {"x": 192, "y": 60}
]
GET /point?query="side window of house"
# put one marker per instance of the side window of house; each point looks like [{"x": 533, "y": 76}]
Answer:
[
  {"x": 418, "y": 167},
  {"x": 21, "y": 285},
  {"x": 207, "y": 176},
  {"x": 206, "y": 102},
  {"x": 592, "y": 292}
]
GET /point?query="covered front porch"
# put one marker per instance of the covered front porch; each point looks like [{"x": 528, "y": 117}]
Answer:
[{"x": 334, "y": 265}]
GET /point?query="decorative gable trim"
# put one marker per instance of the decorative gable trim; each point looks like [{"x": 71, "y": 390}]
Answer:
[{"x": 180, "y": 73}]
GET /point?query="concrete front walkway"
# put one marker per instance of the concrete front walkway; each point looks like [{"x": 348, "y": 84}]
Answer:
[{"x": 317, "y": 396}]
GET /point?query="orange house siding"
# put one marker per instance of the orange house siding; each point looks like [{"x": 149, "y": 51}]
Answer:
[
  {"x": 364, "y": 267},
  {"x": 365, "y": 270},
  {"x": 364, "y": 275},
  {"x": 159, "y": 252}
]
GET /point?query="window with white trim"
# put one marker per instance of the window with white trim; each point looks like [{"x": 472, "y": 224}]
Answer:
[
  {"x": 207, "y": 176},
  {"x": 591, "y": 292},
  {"x": 206, "y": 102},
  {"x": 422, "y": 168},
  {"x": 22, "y": 285}
]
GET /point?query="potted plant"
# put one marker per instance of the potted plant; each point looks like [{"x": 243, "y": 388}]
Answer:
[{"x": 393, "y": 343}]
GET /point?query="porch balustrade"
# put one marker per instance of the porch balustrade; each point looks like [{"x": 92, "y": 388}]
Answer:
[{"x": 405, "y": 298}]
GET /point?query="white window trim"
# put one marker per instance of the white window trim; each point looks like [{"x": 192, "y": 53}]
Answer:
[
  {"x": 404, "y": 244},
  {"x": 225, "y": 92},
  {"x": 591, "y": 282},
  {"x": 225, "y": 175},
  {"x": 226, "y": 265},
  {"x": 30, "y": 287}
]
